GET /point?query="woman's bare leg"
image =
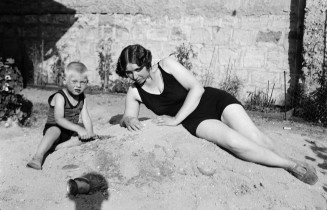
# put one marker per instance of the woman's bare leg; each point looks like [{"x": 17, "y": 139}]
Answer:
[
  {"x": 236, "y": 118},
  {"x": 244, "y": 148}
]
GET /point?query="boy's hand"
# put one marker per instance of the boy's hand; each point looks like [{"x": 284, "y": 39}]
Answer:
[{"x": 82, "y": 133}]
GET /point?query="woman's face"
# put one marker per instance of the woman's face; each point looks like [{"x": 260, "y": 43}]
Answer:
[{"x": 136, "y": 73}]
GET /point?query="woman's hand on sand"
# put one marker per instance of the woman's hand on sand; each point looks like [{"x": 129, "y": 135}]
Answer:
[
  {"x": 166, "y": 120},
  {"x": 133, "y": 124}
]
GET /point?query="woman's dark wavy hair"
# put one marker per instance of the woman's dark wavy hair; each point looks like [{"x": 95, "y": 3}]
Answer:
[{"x": 135, "y": 54}]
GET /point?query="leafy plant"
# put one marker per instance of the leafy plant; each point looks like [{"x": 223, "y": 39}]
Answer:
[
  {"x": 314, "y": 40},
  {"x": 104, "y": 53},
  {"x": 313, "y": 103},
  {"x": 261, "y": 100},
  {"x": 312, "y": 106},
  {"x": 35, "y": 56},
  {"x": 231, "y": 82},
  {"x": 120, "y": 85},
  {"x": 183, "y": 54},
  {"x": 58, "y": 67},
  {"x": 13, "y": 106}
]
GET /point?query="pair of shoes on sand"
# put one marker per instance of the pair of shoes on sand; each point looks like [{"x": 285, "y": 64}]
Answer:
[
  {"x": 35, "y": 163},
  {"x": 304, "y": 172}
]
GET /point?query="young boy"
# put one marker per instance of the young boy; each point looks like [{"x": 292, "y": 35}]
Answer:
[{"x": 66, "y": 105}]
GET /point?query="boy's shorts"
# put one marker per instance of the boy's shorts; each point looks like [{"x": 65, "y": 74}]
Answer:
[{"x": 65, "y": 134}]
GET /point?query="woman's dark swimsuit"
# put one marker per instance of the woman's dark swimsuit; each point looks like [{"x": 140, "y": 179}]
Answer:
[{"x": 211, "y": 106}]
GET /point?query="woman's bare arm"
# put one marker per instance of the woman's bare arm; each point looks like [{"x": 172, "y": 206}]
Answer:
[{"x": 132, "y": 108}]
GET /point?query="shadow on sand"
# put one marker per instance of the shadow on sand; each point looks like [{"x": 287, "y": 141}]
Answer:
[{"x": 98, "y": 193}]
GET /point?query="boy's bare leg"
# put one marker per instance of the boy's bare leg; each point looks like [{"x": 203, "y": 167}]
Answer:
[
  {"x": 49, "y": 138},
  {"x": 72, "y": 142}
]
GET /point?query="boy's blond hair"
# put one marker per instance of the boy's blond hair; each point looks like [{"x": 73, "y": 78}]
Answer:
[{"x": 76, "y": 67}]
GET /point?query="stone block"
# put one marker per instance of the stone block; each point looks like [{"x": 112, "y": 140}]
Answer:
[
  {"x": 56, "y": 19},
  {"x": 232, "y": 5},
  {"x": 254, "y": 57},
  {"x": 91, "y": 34},
  {"x": 124, "y": 20},
  {"x": 177, "y": 34},
  {"x": 142, "y": 20},
  {"x": 243, "y": 75},
  {"x": 106, "y": 20},
  {"x": 122, "y": 33},
  {"x": 211, "y": 22},
  {"x": 87, "y": 20},
  {"x": 31, "y": 19},
  {"x": 74, "y": 33},
  {"x": 106, "y": 32},
  {"x": 269, "y": 36},
  {"x": 156, "y": 48},
  {"x": 230, "y": 21},
  {"x": 200, "y": 35},
  {"x": 206, "y": 55},
  {"x": 253, "y": 23},
  {"x": 169, "y": 48},
  {"x": 32, "y": 32},
  {"x": 262, "y": 77},
  {"x": 158, "y": 33},
  {"x": 277, "y": 58},
  {"x": 87, "y": 48},
  {"x": 279, "y": 22},
  {"x": 221, "y": 36},
  {"x": 193, "y": 21},
  {"x": 175, "y": 21},
  {"x": 227, "y": 56},
  {"x": 243, "y": 37},
  {"x": 12, "y": 19},
  {"x": 139, "y": 32}
]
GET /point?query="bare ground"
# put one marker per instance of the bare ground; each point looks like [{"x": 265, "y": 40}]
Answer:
[{"x": 157, "y": 168}]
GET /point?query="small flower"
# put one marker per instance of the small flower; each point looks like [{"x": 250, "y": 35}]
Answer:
[
  {"x": 7, "y": 77},
  {"x": 10, "y": 61},
  {"x": 6, "y": 87}
]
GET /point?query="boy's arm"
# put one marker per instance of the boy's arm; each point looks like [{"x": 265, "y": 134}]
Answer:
[
  {"x": 59, "y": 116},
  {"x": 87, "y": 122}
]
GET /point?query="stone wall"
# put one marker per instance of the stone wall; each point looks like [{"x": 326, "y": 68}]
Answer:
[{"x": 254, "y": 39}]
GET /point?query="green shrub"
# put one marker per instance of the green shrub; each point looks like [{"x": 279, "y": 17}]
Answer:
[{"x": 13, "y": 106}]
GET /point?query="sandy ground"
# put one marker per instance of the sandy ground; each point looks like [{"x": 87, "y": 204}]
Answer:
[{"x": 158, "y": 168}]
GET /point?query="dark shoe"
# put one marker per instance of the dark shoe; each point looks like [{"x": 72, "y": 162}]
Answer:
[
  {"x": 304, "y": 172},
  {"x": 35, "y": 163}
]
